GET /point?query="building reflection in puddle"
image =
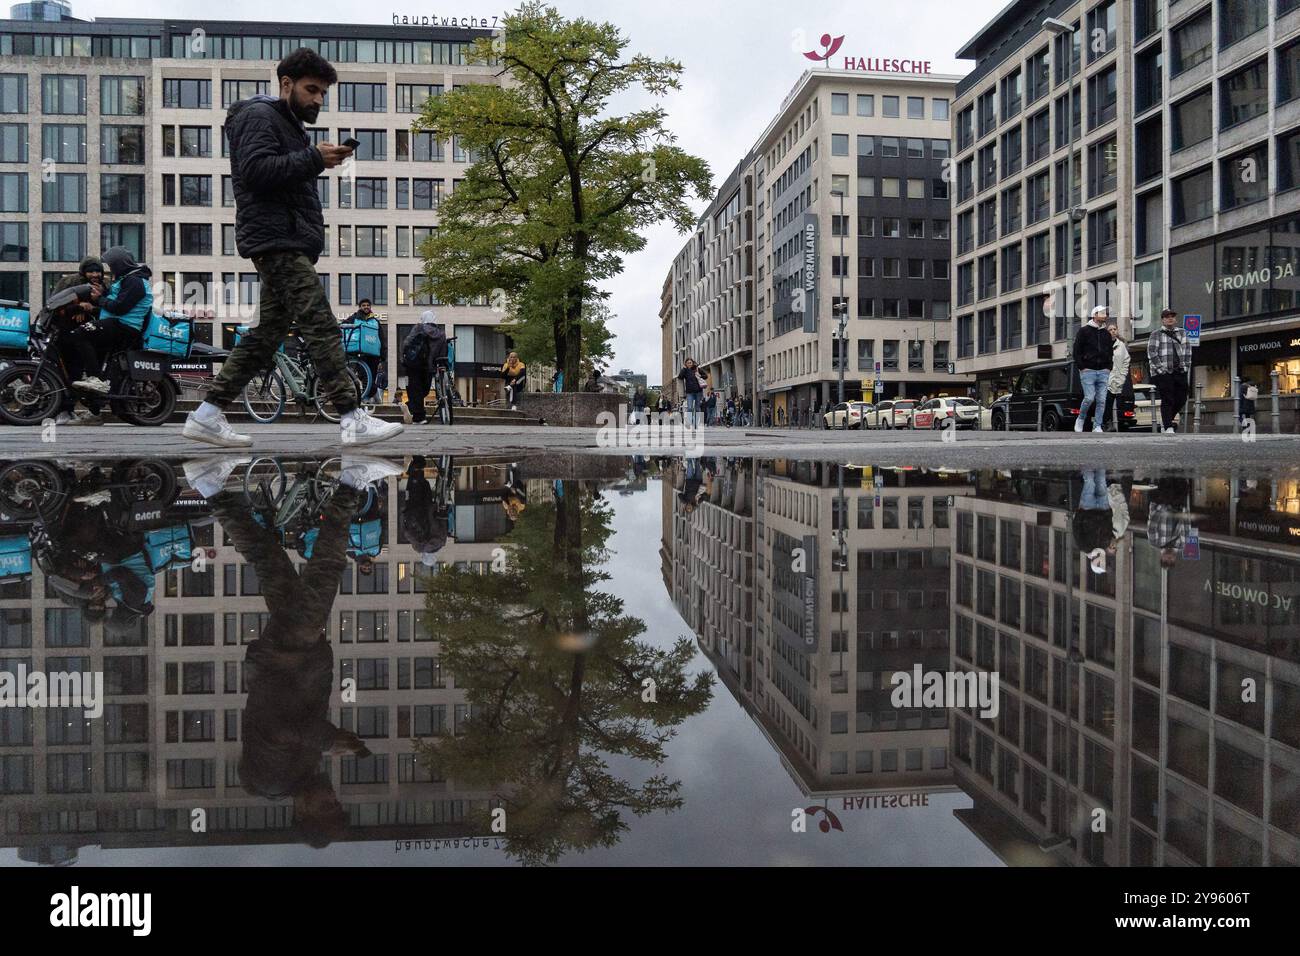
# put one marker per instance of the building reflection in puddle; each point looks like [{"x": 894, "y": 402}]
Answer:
[
  {"x": 479, "y": 667},
  {"x": 1145, "y": 630}
]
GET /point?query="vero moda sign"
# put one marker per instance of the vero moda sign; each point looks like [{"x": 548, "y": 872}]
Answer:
[{"x": 830, "y": 46}]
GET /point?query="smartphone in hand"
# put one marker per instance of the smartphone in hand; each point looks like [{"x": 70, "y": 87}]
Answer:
[{"x": 352, "y": 143}]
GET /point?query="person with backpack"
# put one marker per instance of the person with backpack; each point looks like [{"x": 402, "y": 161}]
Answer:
[
  {"x": 1249, "y": 392},
  {"x": 1169, "y": 353},
  {"x": 365, "y": 318},
  {"x": 125, "y": 306},
  {"x": 424, "y": 347}
]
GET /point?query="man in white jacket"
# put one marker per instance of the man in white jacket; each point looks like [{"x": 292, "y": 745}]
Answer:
[{"x": 1120, "y": 361}]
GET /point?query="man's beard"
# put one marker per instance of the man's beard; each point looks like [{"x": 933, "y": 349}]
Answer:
[{"x": 305, "y": 112}]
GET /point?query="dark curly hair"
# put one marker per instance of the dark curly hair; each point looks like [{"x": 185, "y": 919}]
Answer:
[{"x": 303, "y": 62}]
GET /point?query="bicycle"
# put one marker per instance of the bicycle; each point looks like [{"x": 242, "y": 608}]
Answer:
[
  {"x": 443, "y": 393},
  {"x": 266, "y": 393}
]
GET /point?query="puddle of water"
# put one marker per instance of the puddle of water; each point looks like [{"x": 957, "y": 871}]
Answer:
[{"x": 668, "y": 661}]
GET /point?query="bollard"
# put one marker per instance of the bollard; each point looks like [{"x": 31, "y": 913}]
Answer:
[
  {"x": 1277, "y": 409},
  {"x": 1200, "y": 405},
  {"x": 1040, "y": 413},
  {"x": 1236, "y": 404}
]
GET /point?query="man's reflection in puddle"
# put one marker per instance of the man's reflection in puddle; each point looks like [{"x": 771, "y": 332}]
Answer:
[{"x": 289, "y": 670}]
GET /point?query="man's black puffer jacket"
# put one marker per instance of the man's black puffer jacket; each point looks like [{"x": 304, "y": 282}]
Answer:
[{"x": 273, "y": 168}]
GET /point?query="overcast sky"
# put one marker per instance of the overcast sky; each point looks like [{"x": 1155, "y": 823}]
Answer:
[{"x": 739, "y": 62}]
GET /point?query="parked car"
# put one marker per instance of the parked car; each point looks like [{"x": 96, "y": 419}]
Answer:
[
  {"x": 854, "y": 411},
  {"x": 892, "y": 414},
  {"x": 923, "y": 416},
  {"x": 964, "y": 412},
  {"x": 1057, "y": 384}
]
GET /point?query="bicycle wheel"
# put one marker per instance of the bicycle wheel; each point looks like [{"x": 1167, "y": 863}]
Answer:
[
  {"x": 363, "y": 375},
  {"x": 324, "y": 407},
  {"x": 264, "y": 396},
  {"x": 264, "y": 482},
  {"x": 445, "y": 401}
]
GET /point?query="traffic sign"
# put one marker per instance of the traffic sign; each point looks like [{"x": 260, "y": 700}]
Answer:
[
  {"x": 952, "y": 368},
  {"x": 1192, "y": 546},
  {"x": 1192, "y": 326},
  {"x": 877, "y": 368},
  {"x": 880, "y": 385}
]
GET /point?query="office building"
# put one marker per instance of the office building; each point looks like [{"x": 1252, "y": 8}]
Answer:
[
  {"x": 112, "y": 134},
  {"x": 1138, "y": 155},
  {"x": 841, "y": 206}
]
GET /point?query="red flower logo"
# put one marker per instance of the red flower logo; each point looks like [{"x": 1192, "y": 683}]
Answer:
[
  {"x": 829, "y": 46},
  {"x": 832, "y": 822}
]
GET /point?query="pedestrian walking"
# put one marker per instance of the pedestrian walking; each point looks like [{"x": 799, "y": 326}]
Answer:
[
  {"x": 639, "y": 401},
  {"x": 693, "y": 390},
  {"x": 1169, "y": 353},
  {"x": 1092, "y": 352},
  {"x": 1248, "y": 392},
  {"x": 274, "y": 169},
  {"x": 1093, "y": 524},
  {"x": 422, "y": 349},
  {"x": 515, "y": 373},
  {"x": 1119, "y": 377}
]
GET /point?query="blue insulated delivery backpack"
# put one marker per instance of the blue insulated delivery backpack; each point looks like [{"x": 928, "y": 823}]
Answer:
[
  {"x": 15, "y": 326},
  {"x": 362, "y": 338},
  {"x": 169, "y": 333}
]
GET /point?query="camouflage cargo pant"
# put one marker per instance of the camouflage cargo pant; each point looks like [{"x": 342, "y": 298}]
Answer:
[{"x": 290, "y": 293}]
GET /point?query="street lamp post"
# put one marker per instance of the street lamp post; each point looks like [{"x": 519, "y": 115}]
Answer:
[{"x": 1060, "y": 28}]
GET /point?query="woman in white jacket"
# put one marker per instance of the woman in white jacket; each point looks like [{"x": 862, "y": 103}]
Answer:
[{"x": 1119, "y": 365}]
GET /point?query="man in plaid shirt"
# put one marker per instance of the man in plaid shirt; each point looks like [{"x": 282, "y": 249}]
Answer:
[
  {"x": 1167, "y": 527},
  {"x": 1170, "y": 355}
]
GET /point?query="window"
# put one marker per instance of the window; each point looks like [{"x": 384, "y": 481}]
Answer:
[
  {"x": 121, "y": 145},
  {"x": 839, "y": 144},
  {"x": 411, "y": 97},
  {"x": 362, "y": 98},
  {"x": 1148, "y": 90},
  {"x": 63, "y": 142},
  {"x": 1244, "y": 94},
  {"x": 839, "y": 104},
  {"x": 13, "y": 242},
  {"x": 866, "y": 105},
  {"x": 1244, "y": 177},
  {"x": 13, "y": 142},
  {"x": 1039, "y": 130},
  {"x": 1040, "y": 198},
  {"x": 1103, "y": 167},
  {"x": 65, "y": 192},
  {"x": 1288, "y": 73},
  {"x": 121, "y": 95},
  {"x": 63, "y": 95},
  {"x": 196, "y": 141},
  {"x": 196, "y": 190},
  {"x": 63, "y": 241},
  {"x": 1239, "y": 19},
  {"x": 373, "y": 143},
  {"x": 965, "y": 336},
  {"x": 965, "y": 128},
  {"x": 988, "y": 167},
  {"x": 1150, "y": 225},
  {"x": 1036, "y": 75},
  {"x": 233, "y": 91},
  {"x": 1191, "y": 120},
  {"x": 916, "y": 107},
  {"x": 1190, "y": 43},
  {"x": 187, "y": 94},
  {"x": 1288, "y": 161},
  {"x": 1065, "y": 53},
  {"x": 987, "y": 112},
  {"x": 1012, "y": 94},
  {"x": 121, "y": 193},
  {"x": 13, "y": 93},
  {"x": 1193, "y": 197},
  {"x": 889, "y": 106},
  {"x": 938, "y": 108},
  {"x": 1039, "y": 265},
  {"x": 1011, "y": 152},
  {"x": 1102, "y": 236},
  {"x": 1011, "y": 269},
  {"x": 988, "y": 276},
  {"x": 988, "y": 327},
  {"x": 866, "y": 145},
  {"x": 196, "y": 239},
  {"x": 1149, "y": 152},
  {"x": 1101, "y": 30},
  {"x": 1102, "y": 97}
]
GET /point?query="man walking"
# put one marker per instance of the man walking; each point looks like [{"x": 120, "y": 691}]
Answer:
[
  {"x": 278, "y": 224},
  {"x": 1169, "y": 353},
  {"x": 1092, "y": 357}
]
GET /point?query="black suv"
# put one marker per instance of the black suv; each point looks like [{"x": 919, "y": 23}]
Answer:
[{"x": 1057, "y": 384}]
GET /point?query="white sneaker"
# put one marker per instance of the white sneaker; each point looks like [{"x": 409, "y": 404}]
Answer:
[
  {"x": 1078, "y": 424},
  {"x": 360, "y": 471},
  {"x": 94, "y": 498},
  {"x": 64, "y": 418},
  {"x": 362, "y": 428},
  {"x": 1098, "y": 430},
  {"x": 407, "y": 417},
  {"x": 92, "y": 384},
  {"x": 84, "y": 416},
  {"x": 208, "y": 476},
  {"x": 1169, "y": 431},
  {"x": 214, "y": 431}
]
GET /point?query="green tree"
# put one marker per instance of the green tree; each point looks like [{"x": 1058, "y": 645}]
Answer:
[
  {"x": 559, "y": 191},
  {"x": 555, "y": 678}
]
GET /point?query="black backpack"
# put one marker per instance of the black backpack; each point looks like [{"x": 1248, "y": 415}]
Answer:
[{"x": 415, "y": 351}]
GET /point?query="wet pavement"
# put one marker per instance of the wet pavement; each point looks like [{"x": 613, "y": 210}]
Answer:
[{"x": 544, "y": 656}]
